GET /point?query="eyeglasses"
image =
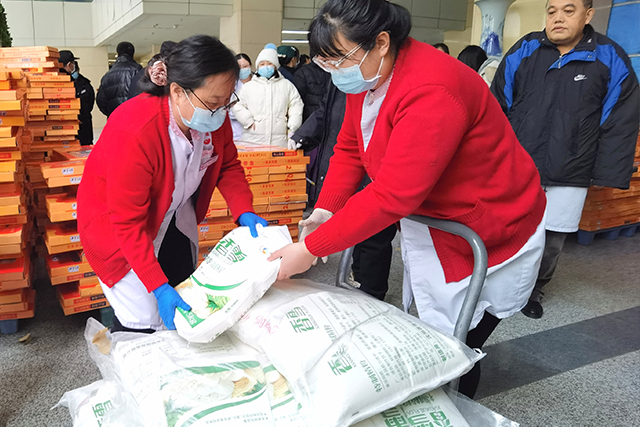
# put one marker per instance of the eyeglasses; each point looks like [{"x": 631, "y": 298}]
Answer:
[
  {"x": 329, "y": 65},
  {"x": 234, "y": 101}
]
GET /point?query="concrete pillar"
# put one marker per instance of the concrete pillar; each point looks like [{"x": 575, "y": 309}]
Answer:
[{"x": 253, "y": 24}]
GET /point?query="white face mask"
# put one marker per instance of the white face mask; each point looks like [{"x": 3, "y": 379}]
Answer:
[{"x": 204, "y": 120}]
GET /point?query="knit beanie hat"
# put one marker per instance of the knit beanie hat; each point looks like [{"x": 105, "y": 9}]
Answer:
[{"x": 270, "y": 54}]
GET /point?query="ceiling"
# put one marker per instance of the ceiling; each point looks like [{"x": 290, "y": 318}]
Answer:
[{"x": 155, "y": 29}]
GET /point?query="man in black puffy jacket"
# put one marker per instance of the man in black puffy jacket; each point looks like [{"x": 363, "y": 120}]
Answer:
[
  {"x": 573, "y": 101},
  {"x": 114, "y": 86},
  {"x": 312, "y": 83}
]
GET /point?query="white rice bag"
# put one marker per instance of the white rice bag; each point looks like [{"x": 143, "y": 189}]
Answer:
[
  {"x": 348, "y": 356},
  {"x": 102, "y": 403},
  {"x": 176, "y": 384},
  {"x": 232, "y": 278}
]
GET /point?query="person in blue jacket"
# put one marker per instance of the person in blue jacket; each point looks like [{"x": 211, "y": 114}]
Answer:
[{"x": 573, "y": 101}]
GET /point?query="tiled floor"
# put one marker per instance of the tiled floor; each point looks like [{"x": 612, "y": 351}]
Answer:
[{"x": 577, "y": 366}]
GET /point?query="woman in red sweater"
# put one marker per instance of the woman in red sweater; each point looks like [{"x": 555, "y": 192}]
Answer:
[
  {"x": 148, "y": 182},
  {"x": 432, "y": 138}
]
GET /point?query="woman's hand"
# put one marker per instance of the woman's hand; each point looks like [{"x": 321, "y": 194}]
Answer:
[
  {"x": 168, "y": 300},
  {"x": 249, "y": 219},
  {"x": 296, "y": 259},
  {"x": 316, "y": 219}
]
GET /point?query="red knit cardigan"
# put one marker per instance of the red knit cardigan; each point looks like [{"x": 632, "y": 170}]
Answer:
[
  {"x": 128, "y": 183},
  {"x": 441, "y": 147}
]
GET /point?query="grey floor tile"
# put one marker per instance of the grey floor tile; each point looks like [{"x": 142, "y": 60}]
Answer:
[{"x": 606, "y": 393}]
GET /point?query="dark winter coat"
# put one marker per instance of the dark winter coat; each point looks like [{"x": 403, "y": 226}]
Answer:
[
  {"x": 86, "y": 94},
  {"x": 311, "y": 82},
  {"x": 578, "y": 114},
  {"x": 321, "y": 130},
  {"x": 114, "y": 86}
]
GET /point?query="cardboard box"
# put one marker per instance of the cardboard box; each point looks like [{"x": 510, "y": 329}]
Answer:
[
  {"x": 11, "y": 250},
  {"x": 284, "y": 221},
  {"x": 92, "y": 305},
  {"x": 25, "y": 314},
  {"x": 61, "y": 202},
  {"x": 7, "y": 132},
  {"x": 205, "y": 233},
  {"x": 283, "y": 214},
  {"x": 64, "y": 181},
  {"x": 287, "y": 177},
  {"x": 217, "y": 213},
  {"x": 10, "y": 155},
  {"x": 14, "y": 284},
  {"x": 11, "y": 234},
  {"x": 255, "y": 171},
  {"x": 62, "y": 216},
  {"x": 282, "y": 161},
  {"x": 287, "y": 207},
  {"x": 254, "y": 179},
  {"x": 12, "y": 95},
  {"x": 288, "y": 169},
  {"x": 12, "y": 297},
  {"x": 11, "y": 199},
  {"x": 87, "y": 291},
  {"x": 247, "y": 150},
  {"x": 58, "y": 249},
  {"x": 8, "y": 166},
  {"x": 11, "y": 210},
  {"x": 52, "y": 84},
  {"x": 76, "y": 277},
  {"x": 66, "y": 264},
  {"x": 61, "y": 234},
  {"x": 69, "y": 295},
  {"x": 15, "y": 219},
  {"x": 291, "y": 198},
  {"x": 12, "y": 105},
  {"x": 13, "y": 270}
]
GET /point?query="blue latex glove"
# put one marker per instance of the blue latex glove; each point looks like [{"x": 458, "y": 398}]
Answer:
[
  {"x": 249, "y": 219},
  {"x": 168, "y": 299}
]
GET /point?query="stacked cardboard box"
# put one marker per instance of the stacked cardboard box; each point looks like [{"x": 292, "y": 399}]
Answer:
[
  {"x": 17, "y": 298},
  {"x": 609, "y": 207},
  {"x": 277, "y": 179},
  {"x": 78, "y": 288}
]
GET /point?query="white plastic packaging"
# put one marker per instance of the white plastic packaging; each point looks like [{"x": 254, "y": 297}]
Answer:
[
  {"x": 101, "y": 404},
  {"x": 232, "y": 278},
  {"x": 348, "y": 356}
]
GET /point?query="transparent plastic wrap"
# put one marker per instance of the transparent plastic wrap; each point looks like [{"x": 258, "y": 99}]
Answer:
[
  {"x": 347, "y": 356},
  {"x": 101, "y": 404},
  {"x": 476, "y": 414},
  {"x": 234, "y": 275}
]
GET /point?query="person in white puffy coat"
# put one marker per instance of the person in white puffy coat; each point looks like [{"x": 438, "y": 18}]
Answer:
[{"x": 270, "y": 107}]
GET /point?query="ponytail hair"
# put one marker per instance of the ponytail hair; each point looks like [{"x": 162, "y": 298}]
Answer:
[
  {"x": 359, "y": 21},
  {"x": 188, "y": 64}
]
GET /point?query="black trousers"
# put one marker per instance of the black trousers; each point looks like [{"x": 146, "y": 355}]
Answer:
[
  {"x": 372, "y": 262},
  {"x": 476, "y": 339},
  {"x": 176, "y": 261},
  {"x": 554, "y": 242}
]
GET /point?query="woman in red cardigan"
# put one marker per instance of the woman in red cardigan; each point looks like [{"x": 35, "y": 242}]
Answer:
[
  {"x": 434, "y": 141},
  {"x": 149, "y": 180}
]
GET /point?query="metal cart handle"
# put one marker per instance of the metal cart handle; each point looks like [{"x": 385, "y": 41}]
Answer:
[{"x": 480, "y": 262}]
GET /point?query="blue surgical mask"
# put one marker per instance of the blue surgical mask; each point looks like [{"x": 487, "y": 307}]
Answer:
[
  {"x": 75, "y": 75},
  {"x": 350, "y": 80},
  {"x": 244, "y": 73},
  {"x": 203, "y": 120},
  {"x": 267, "y": 71}
]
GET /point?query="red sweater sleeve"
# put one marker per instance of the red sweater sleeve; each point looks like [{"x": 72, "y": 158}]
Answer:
[
  {"x": 427, "y": 127},
  {"x": 345, "y": 168},
  {"x": 128, "y": 196},
  {"x": 232, "y": 182}
]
